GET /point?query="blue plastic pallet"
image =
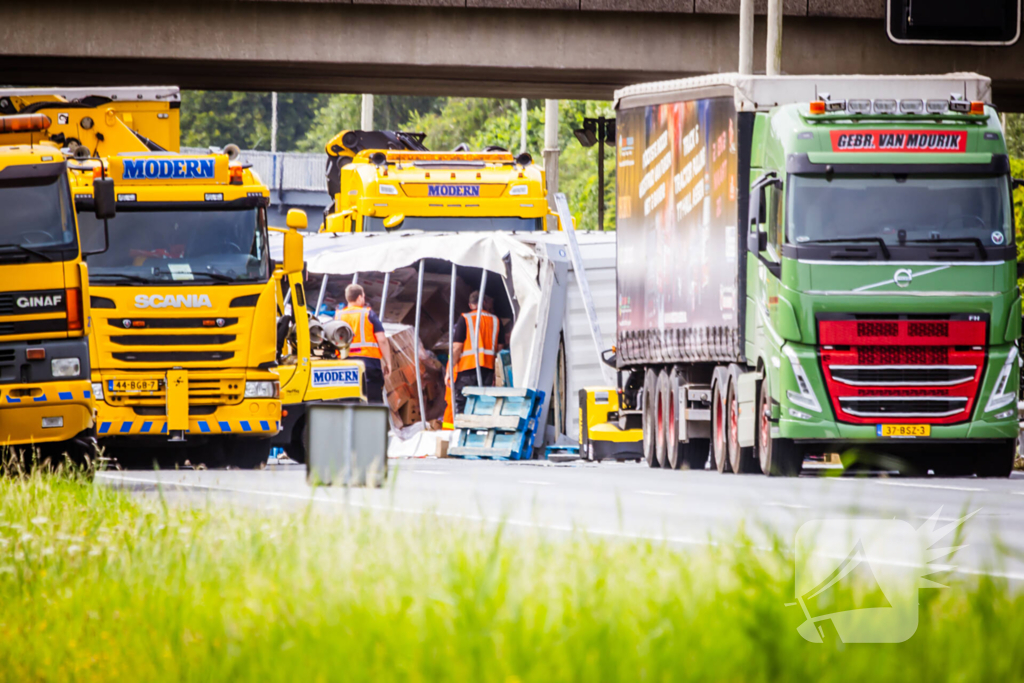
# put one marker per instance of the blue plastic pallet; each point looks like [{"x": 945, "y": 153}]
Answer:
[
  {"x": 499, "y": 423},
  {"x": 506, "y": 408}
]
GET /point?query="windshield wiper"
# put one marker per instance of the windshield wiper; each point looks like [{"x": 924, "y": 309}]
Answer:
[
  {"x": 976, "y": 241},
  {"x": 219, "y": 277},
  {"x": 213, "y": 276},
  {"x": 839, "y": 240},
  {"x": 27, "y": 250},
  {"x": 123, "y": 276}
]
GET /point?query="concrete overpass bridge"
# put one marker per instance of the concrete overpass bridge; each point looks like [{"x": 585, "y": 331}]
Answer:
[{"x": 508, "y": 48}]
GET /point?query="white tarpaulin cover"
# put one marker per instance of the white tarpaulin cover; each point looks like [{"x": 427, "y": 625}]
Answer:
[{"x": 348, "y": 253}]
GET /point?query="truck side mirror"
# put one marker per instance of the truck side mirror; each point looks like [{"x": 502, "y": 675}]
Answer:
[
  {"x": 293, "y": 256},
  {"x": 104, "y": 200},
  {"x": 1020, "y": 269},
  {"x": 296, "y": 219},
  {"x": 1016, "y": 183}
]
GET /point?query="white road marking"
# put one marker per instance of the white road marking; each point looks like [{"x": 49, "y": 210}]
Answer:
[
  {"x": 680, "y": 540},
  {"x": 654, "y": 493},
  {"x": 1017, "y": 493},
  {"x": 944, "y": 487},
  {"x": 535, "y": 482},
  {"x": 430, "y": 472},
  {"x": 786, "y": 505}
]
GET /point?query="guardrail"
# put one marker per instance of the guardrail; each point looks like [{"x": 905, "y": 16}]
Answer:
[{"x": 284, "y": 171}]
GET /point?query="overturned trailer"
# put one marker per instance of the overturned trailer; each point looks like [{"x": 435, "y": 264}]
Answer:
[{"x": 422, "y": 280}]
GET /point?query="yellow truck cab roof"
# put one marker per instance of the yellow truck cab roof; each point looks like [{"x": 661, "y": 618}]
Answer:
[
  {"x": 172, "y": 177},
  {"x": 22, "y": 154},
  {"x": 382, "y": 183}
]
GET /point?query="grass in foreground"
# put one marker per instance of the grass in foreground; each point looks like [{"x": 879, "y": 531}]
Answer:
[{"x": 96, "y": 585}]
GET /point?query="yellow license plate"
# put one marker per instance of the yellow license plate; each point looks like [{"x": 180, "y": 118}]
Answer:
[
  {"x": 904, "y": 431},
  {"x": 132, "y": 386}
]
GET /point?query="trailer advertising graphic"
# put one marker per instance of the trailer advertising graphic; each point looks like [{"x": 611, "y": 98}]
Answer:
[{"x": 677, "y": 212}]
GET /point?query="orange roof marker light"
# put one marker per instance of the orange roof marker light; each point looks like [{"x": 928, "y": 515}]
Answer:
[
  {"x": 24, "y": 123},
  {"x": 977, "y": 107},
  {"x": 487, "y": 157},
  {"x": 817, "y": 107}
]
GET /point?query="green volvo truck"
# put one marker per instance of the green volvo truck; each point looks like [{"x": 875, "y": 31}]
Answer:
[{"x": 817, "y": 264}]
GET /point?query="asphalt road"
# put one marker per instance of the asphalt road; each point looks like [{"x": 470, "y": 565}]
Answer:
[{"x": 626, "y": 500}]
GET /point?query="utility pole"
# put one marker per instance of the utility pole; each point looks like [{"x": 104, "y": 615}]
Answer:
[
  {"x": 746, "y": 37},
  {"x": 773, "y": 56},
  {"x": 273, "y": 121},
  {"x": 522, "y": 127},
  {"x": 551, "y": 156},
  {"x": 366, "y": 122},
  {"x": 597, "y": 132}
]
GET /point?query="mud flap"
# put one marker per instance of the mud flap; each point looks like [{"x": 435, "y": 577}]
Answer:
[{"x": 746, "y": 394}]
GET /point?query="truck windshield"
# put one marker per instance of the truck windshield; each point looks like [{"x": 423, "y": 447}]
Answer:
[
  {"x": 459, "y": 224},
  {"x": 166, "y": 245},
  {"x": 36, "y": 215},
  {"x": 899, "y": 208}
]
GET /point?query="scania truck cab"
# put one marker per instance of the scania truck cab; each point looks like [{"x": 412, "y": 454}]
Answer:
[
  {"x": 46, "y": 397},
  {"x": 184, "y": 308},
  {"x": 802, "y": 273},
  {"x": 386, "y": 180}
]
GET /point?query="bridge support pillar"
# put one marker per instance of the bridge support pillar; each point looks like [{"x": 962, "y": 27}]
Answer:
[
  {"x": 551, "y": 156},
  {"x": 366, "y": 121}
]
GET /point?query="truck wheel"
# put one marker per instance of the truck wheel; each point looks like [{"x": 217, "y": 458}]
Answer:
[
  {"x": 997, "y": 461},
  {"x": 664, "y": 416},
  {"x": 741, "y": 458},
  {"x": 650, "y": 436},
  {"x": 672, "y": 446},
  {"x": 246, "y": 454},
  {"x": 718, "y": 429},
  {"x": 778, "y": 457}
]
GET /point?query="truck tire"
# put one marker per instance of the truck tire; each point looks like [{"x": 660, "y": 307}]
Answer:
[
  {"x": 650, "y": 441},
  {"x": 663, "y": 418},
  {"x": 741, "y": 458},
  {"x": 998, "y": 461},
  {"x": 778, "y": 457},
  {"x": 719, "y": 450},
  {"x": 692, "y": 455}
]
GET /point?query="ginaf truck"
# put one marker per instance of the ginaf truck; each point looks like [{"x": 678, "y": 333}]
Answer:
[
  {"x": 46, "y": 397},
  {"x": 817, "y": 264}
]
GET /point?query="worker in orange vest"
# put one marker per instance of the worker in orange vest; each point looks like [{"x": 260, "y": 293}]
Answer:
[
  {"x": 369, "y": 343},
  {"x": 467, "y": 355}
]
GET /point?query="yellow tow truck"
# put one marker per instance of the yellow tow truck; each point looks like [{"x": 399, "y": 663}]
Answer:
[
  {"x": 184, "y": 309},
  {"x": 386, "y": 180},
  {"x": 46, "y": 397}
]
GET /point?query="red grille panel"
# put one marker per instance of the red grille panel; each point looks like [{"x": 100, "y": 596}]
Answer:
[{"x": 902, "y": 360}]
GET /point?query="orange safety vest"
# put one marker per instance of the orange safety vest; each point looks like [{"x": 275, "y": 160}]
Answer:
[
  {"x": 485, "y": 351},
  {"x": 364, "y": 342}
]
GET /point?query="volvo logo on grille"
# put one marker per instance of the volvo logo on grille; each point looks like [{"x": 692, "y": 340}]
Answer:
[{"x": 903, "y": 277}]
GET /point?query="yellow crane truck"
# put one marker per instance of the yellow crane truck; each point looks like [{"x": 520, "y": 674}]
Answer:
[
  {"x": 384, "y": 180},
  {"x": 46, "y": 398},
  {"x": 184, "y": 309}
]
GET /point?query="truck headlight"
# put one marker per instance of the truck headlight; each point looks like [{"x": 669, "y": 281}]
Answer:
[
  {"x": 65, "y": 367},
  {"x": 261, "y": 389},
  {"x": 804, "y": 397},
  {"x": 97, "y": 391},
  {"x": 1000, "y": 398}
]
